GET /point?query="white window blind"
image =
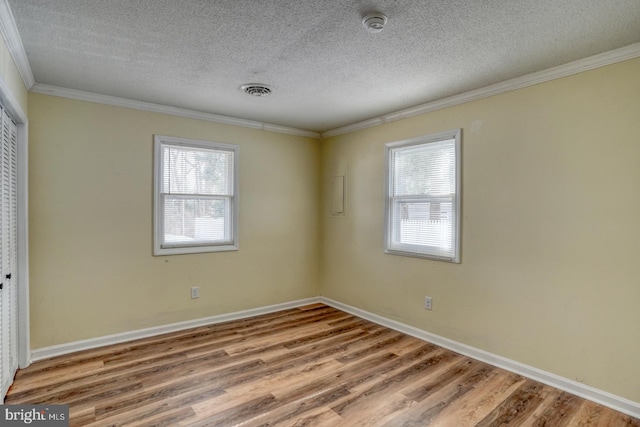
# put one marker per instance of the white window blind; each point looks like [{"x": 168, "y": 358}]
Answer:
[
  {"x": 423, "y": 197},
  {"x": 196, "y": 196}
]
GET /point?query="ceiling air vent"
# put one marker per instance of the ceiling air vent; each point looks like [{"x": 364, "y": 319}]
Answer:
[
  {"x": 374, "y": 22},
  {"x": 256, "y": 89}
]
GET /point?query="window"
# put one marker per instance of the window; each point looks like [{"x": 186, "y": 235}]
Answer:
[
  {"x": 423, "y": 197},
  {"x": 196, "y": 203}
]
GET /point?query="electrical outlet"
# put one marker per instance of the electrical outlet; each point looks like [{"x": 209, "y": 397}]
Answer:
[
  {"x": 195, "y": 292},
  {"x": 427, "y": 303}
]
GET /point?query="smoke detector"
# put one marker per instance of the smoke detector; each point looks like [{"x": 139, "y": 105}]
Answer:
[
  {"x": 256, "y": 89},
  {"x": 374, "y": 22}
]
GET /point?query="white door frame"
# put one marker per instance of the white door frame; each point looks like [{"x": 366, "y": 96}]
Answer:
[{"x": 13, "y": 107}]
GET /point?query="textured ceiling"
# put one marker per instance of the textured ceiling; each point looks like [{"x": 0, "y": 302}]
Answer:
[{"x": 326, "y": 70}]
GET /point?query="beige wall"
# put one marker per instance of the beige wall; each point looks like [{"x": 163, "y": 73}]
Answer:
[
  {"x": 92, "y": 269},
  {"x": 550, "y": 274},
  {"x": 10, "y": 74}
]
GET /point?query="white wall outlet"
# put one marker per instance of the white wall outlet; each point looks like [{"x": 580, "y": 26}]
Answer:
[
  {"x": 427, "y": 303},
  {"x": 195, "y": 292}
]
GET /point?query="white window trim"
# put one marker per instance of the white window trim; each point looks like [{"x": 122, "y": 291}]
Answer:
[
  {"x": 158, "y": 208},
  {"x": 450, "y": 134}
]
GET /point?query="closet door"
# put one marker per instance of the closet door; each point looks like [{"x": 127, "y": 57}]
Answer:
[{"x": 8, "y": 252}]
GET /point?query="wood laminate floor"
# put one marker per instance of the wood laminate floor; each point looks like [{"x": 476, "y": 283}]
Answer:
[{"x": 309, "y": 366}]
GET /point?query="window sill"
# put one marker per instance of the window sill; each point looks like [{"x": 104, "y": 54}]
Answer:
[{"x": 179, "y": 250}]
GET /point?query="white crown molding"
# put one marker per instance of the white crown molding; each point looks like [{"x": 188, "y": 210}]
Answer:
[
  {"x": 14, "y": 44},
  {"x": 587, "y": 392},
  {"x": 72, "y": 347},
  {"x": 617, "y": 55},
  {"x": 165, "y": 109}
]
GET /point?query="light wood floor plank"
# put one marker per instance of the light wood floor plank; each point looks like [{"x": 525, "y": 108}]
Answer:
[{"x": 307, "y": 366}]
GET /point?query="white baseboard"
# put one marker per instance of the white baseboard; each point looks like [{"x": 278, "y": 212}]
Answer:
[
  {"x": 602, "y": 397},
  {"x": 590, "y": 393},
  {"x": 60, "y": 349}
]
